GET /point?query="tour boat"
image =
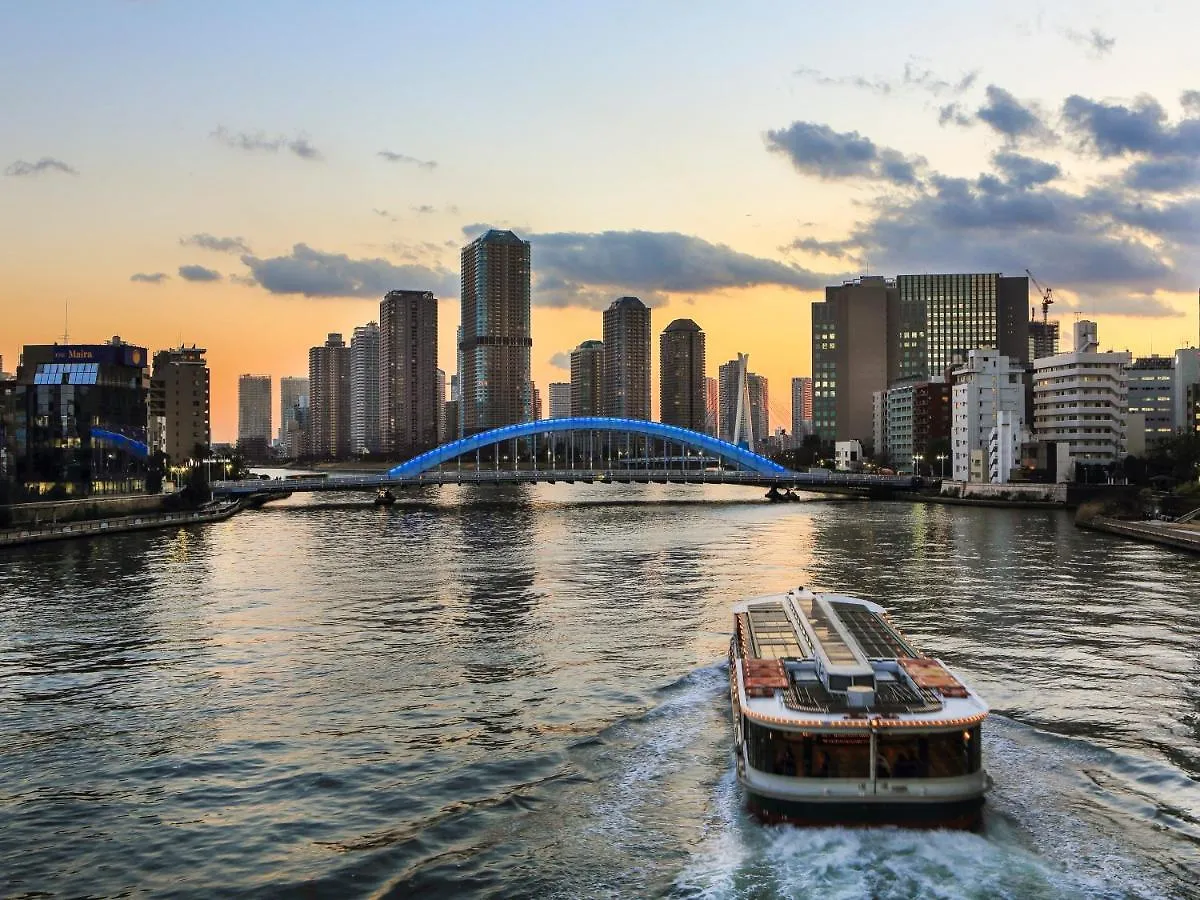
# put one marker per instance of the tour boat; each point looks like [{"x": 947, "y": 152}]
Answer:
[{"x": 840, "y": 720}]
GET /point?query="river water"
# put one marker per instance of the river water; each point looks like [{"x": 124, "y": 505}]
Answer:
[{"x": 495, "y": 692}]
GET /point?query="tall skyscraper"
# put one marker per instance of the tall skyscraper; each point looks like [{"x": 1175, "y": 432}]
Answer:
[
  {"x": 408, "y": 385},
  {"x": 254, "y": 415},
  {"x": 560, "y": 399},
  {"x": 329, "y": 399},
  {"x": 682, "y": 393},
  {"x": 802, "y": 409},
  {"x": 627, "y": 359},
  {"x": 760, "y": 408},
  {"x": 293, "y": 393},
  {"x": 364, "y": 389},
  {"x": 179, "y": 404},
  {"x": 495, "y": 342},
  {"x": 587, "y": 379}
]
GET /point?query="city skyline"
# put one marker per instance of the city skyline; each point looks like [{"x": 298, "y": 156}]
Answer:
[{"x": 245, "y": 211}]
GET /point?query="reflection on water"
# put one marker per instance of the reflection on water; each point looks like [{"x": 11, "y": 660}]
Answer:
[{"x": 520, "y": 690}]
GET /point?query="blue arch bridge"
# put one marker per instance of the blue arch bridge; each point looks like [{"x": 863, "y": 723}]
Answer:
[{"x": 586, "y": 449}]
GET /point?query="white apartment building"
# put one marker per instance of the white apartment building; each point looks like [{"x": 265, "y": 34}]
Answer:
[
  {"x": 1185, "y": 374},
  {"x": 1081, "y": 398},
  {"x": 986, "y": 386}
]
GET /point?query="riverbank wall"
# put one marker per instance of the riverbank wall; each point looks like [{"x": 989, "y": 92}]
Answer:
[
  {"x": 51, "y": 512},
  {"x": 60, "y": 531},
  {"x": 1167, "y": 534}
]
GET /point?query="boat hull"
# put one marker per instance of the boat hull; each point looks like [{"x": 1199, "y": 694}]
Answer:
[{"x": 962, "y": 814}]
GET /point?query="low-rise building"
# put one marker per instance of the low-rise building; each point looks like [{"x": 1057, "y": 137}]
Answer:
[
  {"x": 987, "y": 385},
  {"x": 1082, "y": 398}
]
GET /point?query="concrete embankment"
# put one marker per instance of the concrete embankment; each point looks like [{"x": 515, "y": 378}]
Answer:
[
  {"x": 37, "y": 534},
  {"x": 1168, "y": 534}
]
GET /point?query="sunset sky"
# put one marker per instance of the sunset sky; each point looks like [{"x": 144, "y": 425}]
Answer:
[{"x": 249, "y": 176}]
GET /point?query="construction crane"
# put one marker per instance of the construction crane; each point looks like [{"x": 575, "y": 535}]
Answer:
[{"x": 1047, "y": 296}]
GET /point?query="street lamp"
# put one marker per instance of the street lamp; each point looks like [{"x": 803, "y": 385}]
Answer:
[
  {"x": 941, "y": 458},
  {"x": 917, "y": 464}
]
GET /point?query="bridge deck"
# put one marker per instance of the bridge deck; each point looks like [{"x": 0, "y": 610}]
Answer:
[{"x": 804, "y": 481}]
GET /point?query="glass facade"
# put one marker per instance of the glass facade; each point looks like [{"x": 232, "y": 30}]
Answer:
[{"x": 942, "y": 318}]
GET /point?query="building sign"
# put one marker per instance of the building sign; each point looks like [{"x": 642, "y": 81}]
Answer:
[{"x": 104, "y": 354}]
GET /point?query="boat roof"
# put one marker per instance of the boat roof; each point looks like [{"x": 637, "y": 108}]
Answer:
[{"x": 827, "y": 659}]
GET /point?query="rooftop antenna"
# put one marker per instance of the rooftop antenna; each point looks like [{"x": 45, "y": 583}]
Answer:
[{"x": 66, "y": 321}]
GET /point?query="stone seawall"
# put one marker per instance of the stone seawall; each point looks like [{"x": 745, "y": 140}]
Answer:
[{"x": 38, "y": 534}]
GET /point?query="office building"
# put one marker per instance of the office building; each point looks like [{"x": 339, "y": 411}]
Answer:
[
  {"x": 1082, "y": 398},
  {"x": 852, "y": 330},
  {"x": 802, "y": 411},
  {"x": 587, "y": 379},
  {"x": 943, "y": 317},
  {"x": 627, "y": 359},
  {"x": 74, "y": 410},
  {"x": 329, "y": 399},
  {"x": 712, "y": 406},
  {"x": 988, "y": 384},
  {"x": 293, "y": 393},
  {"x": 408, "y": 386},
  {"x": 560, "y": 399},
  {"x": 364, "y": 389},
  {"x": 180, "y": 426},
  {"x": 254, "y": 417},
  {"x": 682, "y": 391},
  {"x": 1151, "y": 403},
  {"x": 495, "y": 342},
  {"x": 1185, "y": 374}
]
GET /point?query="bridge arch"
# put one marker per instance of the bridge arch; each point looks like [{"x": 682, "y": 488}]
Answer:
[{"x": 693, "y": 439}]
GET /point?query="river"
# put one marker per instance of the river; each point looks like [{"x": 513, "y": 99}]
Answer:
[{"x": 509, "y": 692}]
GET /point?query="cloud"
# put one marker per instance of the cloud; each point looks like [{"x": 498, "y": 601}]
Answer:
[
  {"x": 207, "y": 241},
  {"x": 877, "y": 85},
  {"x": 313, "y": 273},
  {"x": 1103, "y": 243},
  {"x": 1011, "y": 118},
  {"x": 383, "y": 213},
  {"x": 1115, "y": 129},
  {"x": 1095, "y": 41},
  {"x": 1163, "y": 175},
  {"x": 819, "y": 150},
  {"x": 1190, "y": 101},
  {"x": 953, "y": 113},
  {"x": 1025, "y": 171},
  {"x": 561, "y": 360},
  {"x": 914, "y": 77},
  {"x": 149, "y": 277},
  {"x": 259, "y": 142},
  {"x": 424, "y": 209},
  {"x": 427, "y": 164},
  {"x": 589, "y": 270},
  {"x": 198, "y": 273},
  {"x": 23, "y": 169}
]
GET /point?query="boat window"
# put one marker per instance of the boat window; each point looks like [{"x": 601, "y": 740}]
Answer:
[
  {"x": 840, "y": 756},
  {"x": 946, "y": 754}
]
